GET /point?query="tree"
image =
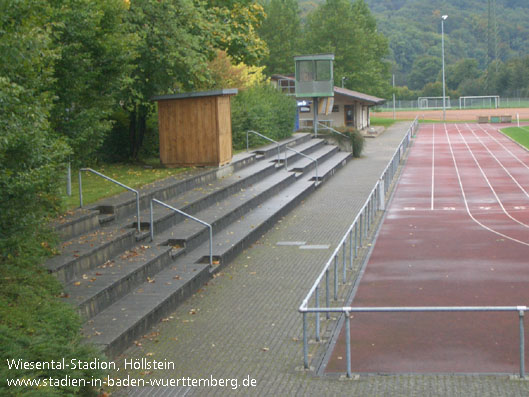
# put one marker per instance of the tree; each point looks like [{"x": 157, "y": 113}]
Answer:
[
  {"x": 30, "y": 153},
  {"x": 425, "y": 70},
  {"x": 349, "y": 31},
  {"x": 176, "y": 39},
  {"x": 463, "y": 70},
  {"x": 224, "y": 74},
  {"x": 234, "y": 25},
  {"x": 172, "y": 56},
  {"x": 95, "y": 57},
  {"x": 281, "y": 30}
]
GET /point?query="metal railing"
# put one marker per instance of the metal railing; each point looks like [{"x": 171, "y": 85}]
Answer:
[
  {"x": 328, "y": 127},
  {"x": 347, "y": 310},
  {"x": 303, "y": 155},
  {"x": 117, "y": 183},
  {"x": 357, "y": 231},
  {"x": 264, "y": 137},
  {"x": 187, "y": 216}
]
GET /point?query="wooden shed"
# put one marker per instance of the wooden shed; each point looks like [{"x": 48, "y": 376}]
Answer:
[{"x": 195, "y": 128}]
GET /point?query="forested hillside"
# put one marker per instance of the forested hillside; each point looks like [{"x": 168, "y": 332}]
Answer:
[{"x": 479, "y": 32}]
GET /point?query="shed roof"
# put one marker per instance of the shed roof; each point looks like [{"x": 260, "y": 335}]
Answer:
[
  {"x": 184, "y": 95},
  {"x": 359, "y": 96}
]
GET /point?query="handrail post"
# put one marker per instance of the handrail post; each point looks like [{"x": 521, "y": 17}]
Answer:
[
  {"x": 348, "y": 343},
  {"x": 336, "y": 277},
  {"x": 303, "y": 155},
  {"x": 351, "y": 249},
  {"x": 343, "y": 263},
  {"x": 151, "y": 227},
  {"x": 117, "y": 183},
  {"x": 268, "y": 139},
  {"x": 305, "y": 342},
  {"x": 522, "y": 344},
  {"x": 187, "y": 216},
  {"x": 317, "y": 302},
  {"x": 327, "y": 293},
  {"x": 80, "y": 190}
]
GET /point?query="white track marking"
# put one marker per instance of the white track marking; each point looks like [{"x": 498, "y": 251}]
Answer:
[
  {"x": 465, "y": 198},
  {"x": 499, "y": 162},
  {"x": 503, "y": 146},
  {"x": 433, "y": 167},
  {"x": 488, "y": 182}
]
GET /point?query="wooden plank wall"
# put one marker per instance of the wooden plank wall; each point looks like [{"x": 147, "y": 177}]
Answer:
[
  {"x": 224, "y": 129},
  {"x": 195, "y": 131}
]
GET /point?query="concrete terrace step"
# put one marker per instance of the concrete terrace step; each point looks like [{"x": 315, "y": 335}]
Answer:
[
  {"x": 75, "y": 223},
  {"x": 329, "y": 167},
  {"x": 271, "y": 149},
  {"x": 305, "y": 148},
  {"x": 304, "y": 164},
  {"x": 95, "y": 290},
  {"x": 81, "y": 254},
  {"x": 118, "y": 325},
  {"x": 125, "y": 204},
  {"x": 85, "y": 252}
]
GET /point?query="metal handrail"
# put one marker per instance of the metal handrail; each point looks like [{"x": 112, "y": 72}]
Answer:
[
  {"x": 390, "y": 167},
  {"x": 265, "y": 137},
  {"x": 347, "y": 310},
  {"x": 186, "y": 215},
  {"x": 328, "y": 127},
  {"x": 360, "y": 228},
  {"x": 301, "y": 154},
  {"x": 117, "y": 183}
]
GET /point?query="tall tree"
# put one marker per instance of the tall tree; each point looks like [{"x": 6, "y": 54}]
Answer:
[
  {"x": 281, "y": 30},
  {"x": 30, "y": 153},
  {"x": 177, "y": 38},
  {"x": 95, "y": 54},
  {"x": 172, "y": 55},
  {"x": 349, "y": 31}
]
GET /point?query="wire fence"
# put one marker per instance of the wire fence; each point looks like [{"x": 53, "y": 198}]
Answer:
[{"x": 404, "y": 104}]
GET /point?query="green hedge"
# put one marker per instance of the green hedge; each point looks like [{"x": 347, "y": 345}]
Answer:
[{"x": 262, "y": 109}]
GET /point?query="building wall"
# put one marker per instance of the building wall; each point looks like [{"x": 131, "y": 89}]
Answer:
[{"x": 337, "y": 119}]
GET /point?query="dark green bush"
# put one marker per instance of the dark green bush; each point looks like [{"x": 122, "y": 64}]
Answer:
[
  {"x": 358, "y": 143},
  {"x": 355, "y": 140},
  {"x": 265, "y": 110}
]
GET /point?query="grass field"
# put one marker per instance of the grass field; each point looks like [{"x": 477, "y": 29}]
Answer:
[
  {"x": 96, "y": 188},
  {"x": 382, "y": 121},
  {"x": 519, "y": 134}
]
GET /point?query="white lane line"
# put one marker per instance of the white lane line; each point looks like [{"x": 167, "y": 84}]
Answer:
[
  {"x": 433, "y": 167},
  {"x": 503, "y": 146},
  {"x": 488, "y": 182},
  {"x": 499, "y": 162},
  {"x": 465, "y": 198}
]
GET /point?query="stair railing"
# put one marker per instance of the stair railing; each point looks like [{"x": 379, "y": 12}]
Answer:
[
  {"x": 328, "y": 127},
  {"x": 187, "y": 216},
  {"x": 264, "y": 137},
  {"x": 304, "y": 155},
  {"x": 113, "y": 181}
]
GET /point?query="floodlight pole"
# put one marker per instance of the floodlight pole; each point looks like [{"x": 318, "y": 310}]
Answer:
[{"x": 443, "y": 19}]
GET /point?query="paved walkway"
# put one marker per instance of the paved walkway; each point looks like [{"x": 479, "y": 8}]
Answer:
[{"x": 245, "y": 321}]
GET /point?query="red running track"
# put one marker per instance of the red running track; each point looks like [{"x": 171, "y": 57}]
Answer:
[{"x": 456, "y": 234}]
